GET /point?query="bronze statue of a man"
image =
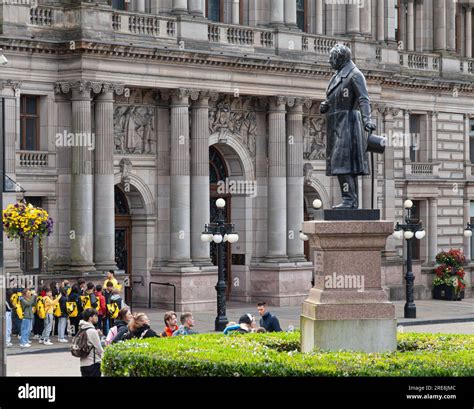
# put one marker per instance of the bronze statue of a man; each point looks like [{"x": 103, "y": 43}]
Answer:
[{"x": 347, "y": 107}]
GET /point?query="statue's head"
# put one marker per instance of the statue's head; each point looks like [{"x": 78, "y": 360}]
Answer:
[{"x": 339, "y": 56}]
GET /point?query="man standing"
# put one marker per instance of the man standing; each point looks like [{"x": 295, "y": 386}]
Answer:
[
  {"x": 90, "y": 363},
  {"x": 112, "y": 279},
  {"x": 268, "y": 321},
  {"x": 347, "y": 107}
]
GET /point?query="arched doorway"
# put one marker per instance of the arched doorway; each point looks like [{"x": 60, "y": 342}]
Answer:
[
  {"x": 123, "y": 235},
  {"x": 218, "y": 172}
]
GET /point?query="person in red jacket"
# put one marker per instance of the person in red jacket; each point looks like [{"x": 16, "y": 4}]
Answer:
[
  {"x": 171, "y": 324},
  {"x": 102, "y": 310}
]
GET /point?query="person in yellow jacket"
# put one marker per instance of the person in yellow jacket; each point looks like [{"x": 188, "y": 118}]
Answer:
[
  {"x": 112, "y": 279},
  {"x": 49, "y": 304}
]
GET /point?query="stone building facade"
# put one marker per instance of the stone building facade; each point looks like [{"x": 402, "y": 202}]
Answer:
[{"x": 126, "y": 120}]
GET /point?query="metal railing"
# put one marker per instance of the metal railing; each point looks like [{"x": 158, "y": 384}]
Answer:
[{"x": 163, "y": 284}]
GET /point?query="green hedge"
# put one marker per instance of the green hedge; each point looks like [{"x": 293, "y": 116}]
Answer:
[{"x": 278, "y": 354}]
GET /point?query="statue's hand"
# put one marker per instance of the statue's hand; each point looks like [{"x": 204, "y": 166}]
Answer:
[
  {"x": 324, "y": 107},
  {"x": 370, "y": 126}
]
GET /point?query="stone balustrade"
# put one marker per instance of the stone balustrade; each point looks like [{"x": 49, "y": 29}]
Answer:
[
  {"x": 422, "y": 169},
  {"x": 420, "y": 61},
  {"x": 32, "y": 159},
  {"x": 240, "y": 35},
  {"x": 142, "y": 24}
]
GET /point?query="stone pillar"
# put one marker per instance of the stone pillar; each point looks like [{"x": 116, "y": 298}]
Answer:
[
  {"x": 180, "y": 196},
  {"x": 196, "y": 8},
  {"x": 467, "y": 218},
  {"x": 366, "y": 19},
  {"x": 199, "y": 178},
  {"x": 439, "y": 25},
  {"x": 432, "y": 233},
  {"x": 411, "y": 25},
  {"x": 82, "y": 186},
  {"x": 290, "y": 14},
  {"x": 277, "y": 251},
  {"x": 434, "y": 136},
  {"x": 277, "y": 13},
  {"x": 406, "y": 136},
  {"x": 451, "y": 25},
  {"x": 236, "y": 12},
  {"x": 420, "y": 26},
  {"x": 295, "y": 180},
  {"x": 319, "y": 17},
  {"x": 180, "y": 7},
  {"x": 358, "y": 316},
  {"x": 380, "y": 20},
  {"x": 353, "y": 19},
  {"x": 104, "y": 201},
  {"x": 468, "y": 31}
]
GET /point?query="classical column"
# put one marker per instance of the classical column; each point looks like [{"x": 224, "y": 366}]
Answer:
[
  {"x": 290, "y": 14},
  {"x": 353, "y": 19},
  {"x": 235, "y": 11},
  {"x": 439, "y": 24},
  {"x": 434, "y": 136},
  {"x": 104, "y": 202},
  {"x": 432, "y": 233},
  {"x": 468, "y": 31},
  {"x": 199, "y": 178},
  {"x": 277, "y": 12},
  {"x": 180, "y": 194},
  {"x": 406, "y": 135},
  {"x": 82, "y": 186},
  {"x": 295, "y": 179},
  {"x": 366, "y": 18},
  {"x": 277, "y": 233},
  {"x": 451, "y": 25},
  {"x": 420, "y": 26},
  {"x": 319, "y": 17},
  {"x": 140, "y": 6},
  {"x": 380, "y": 20},
  {"x": 410, "y": 25},
  {"x": 180, "y": 7},
  {"x": 196, "y": 8}
]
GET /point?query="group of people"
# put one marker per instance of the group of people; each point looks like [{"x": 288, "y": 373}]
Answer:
[
  {"x": 247, "y": 322},
  {"x": 57, "y": 309}
]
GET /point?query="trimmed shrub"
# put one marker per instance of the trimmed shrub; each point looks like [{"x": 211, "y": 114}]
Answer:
[{"x": 277, "y": 354}]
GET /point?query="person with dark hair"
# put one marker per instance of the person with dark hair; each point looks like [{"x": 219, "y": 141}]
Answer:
[
  {"x": 55, "y": 292},
  {"x": 27, "y": 300},
  {"x": 75, "y": 297},
  {"x": 38, "y": 323},
  {"x": 112, "y": 279},
  {"x": 8, "y": 317},
  {"x": 108, "y": 321},
  {"x": 102, "y": 307},
  {"x": 138, "y": 327},
  {"x": 49, "y": 303},
  {"x": 62, "y": 320},
  {"x": 121, "y": 326},
  {"x": 82, "y": 285},
  {"x": 90, "y": 364},
  {"x": 171, "y": 324},
  {"x": 268, "y": 321},
  {"x": 187, "y": 325}
]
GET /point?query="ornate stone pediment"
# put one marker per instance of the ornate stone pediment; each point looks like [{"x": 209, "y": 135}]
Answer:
[{"x": 229, "y": 116}]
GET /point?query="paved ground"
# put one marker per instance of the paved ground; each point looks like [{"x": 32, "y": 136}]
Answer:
[
  {"x": 55, "y": 360},
  {"x": 429, "y": 312}
]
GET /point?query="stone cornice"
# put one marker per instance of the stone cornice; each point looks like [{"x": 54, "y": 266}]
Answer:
[{"x": 171, "y": 56}]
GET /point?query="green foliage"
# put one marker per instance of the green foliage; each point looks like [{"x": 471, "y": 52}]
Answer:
[{"x": 277, "y": 354}]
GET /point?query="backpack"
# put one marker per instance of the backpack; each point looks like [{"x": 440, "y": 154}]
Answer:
[
  {"x": 57, "y": 310},
  {"x": 113, "y": 310},
  {"x": 80, "y": 347},
  {"x": 16, "y": 303},
  {"x": 71, "y": 309},
  {"x": 89, "y": 301},
  {"x": 40, "y": 308}
]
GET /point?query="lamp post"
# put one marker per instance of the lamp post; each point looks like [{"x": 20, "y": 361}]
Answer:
[
  {"x": 408, "y": 230},
  {"x": 220, "y": 233},
  {"x": 317, "y": 204}
]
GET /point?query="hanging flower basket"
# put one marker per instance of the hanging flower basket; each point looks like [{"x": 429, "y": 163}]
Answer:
[
  {"x": 23, "y": 220},
  {"x": 449, "y": 283}
]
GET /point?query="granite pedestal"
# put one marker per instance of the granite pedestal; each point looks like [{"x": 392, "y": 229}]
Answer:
[{"x": 347, "y": 307}]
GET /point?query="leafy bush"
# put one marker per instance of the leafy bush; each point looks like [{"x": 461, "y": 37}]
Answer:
[{"x": 277, "y": 354}]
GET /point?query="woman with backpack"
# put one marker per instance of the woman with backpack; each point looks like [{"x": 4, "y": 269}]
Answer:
[
  {"x": 61, "y": 316},
  {"x": 87, "y": 346},
  {"x": 121, "y": 326},
  {"x": 38, "y": 322},
  {"x": 139, "y": 327}
]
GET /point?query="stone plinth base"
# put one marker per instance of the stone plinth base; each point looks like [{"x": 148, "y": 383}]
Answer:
[
  {"x": 195, "y": 288},
  {"x": 347, "y": 308},
  {"x": 280, "y": 284},
  {"x": 366, "y": 335}
]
